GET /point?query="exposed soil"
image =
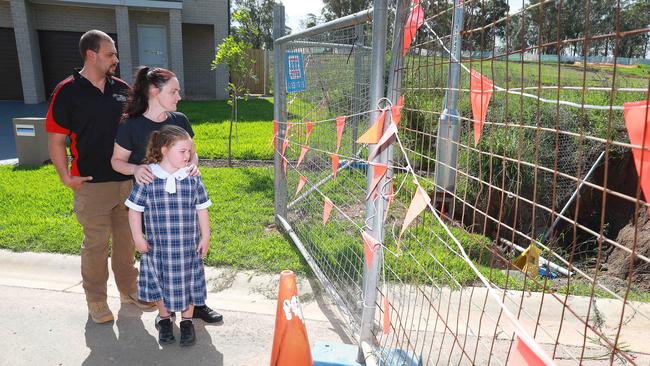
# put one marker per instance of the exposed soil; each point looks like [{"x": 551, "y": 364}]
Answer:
[{"x": 621, "y": 263}]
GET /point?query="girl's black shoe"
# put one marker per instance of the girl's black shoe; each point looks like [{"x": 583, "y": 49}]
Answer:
[
  {"x": 188, "y": 337},
  {"x": 165, "y": 331}
]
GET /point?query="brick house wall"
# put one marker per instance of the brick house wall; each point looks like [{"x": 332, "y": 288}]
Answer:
[{"x": 188, "y": 55}]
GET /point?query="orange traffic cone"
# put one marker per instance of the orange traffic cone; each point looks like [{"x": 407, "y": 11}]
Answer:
[{"x": 290, "y": 343}]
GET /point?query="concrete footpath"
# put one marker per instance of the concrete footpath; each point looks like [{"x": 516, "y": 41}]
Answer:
[{"x": 45, "y": 321}]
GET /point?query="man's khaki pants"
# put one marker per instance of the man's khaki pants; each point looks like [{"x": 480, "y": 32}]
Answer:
[{"x": 101, "y": 212}]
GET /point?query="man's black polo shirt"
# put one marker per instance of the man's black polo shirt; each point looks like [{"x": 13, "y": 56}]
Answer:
[{"x": 80, "y": 110}]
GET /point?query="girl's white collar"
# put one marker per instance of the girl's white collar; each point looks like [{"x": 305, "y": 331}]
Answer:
[{"x": 170, "y": 184}]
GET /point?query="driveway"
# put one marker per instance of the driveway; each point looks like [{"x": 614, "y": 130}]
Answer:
[{"x": 8, "y": 111}]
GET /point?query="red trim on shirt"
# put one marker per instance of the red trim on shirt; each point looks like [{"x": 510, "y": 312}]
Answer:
[
  {"x": 118, "y": 79},
  {"x": 74, "y": 169},
  {"x": 50, "y": 123}
]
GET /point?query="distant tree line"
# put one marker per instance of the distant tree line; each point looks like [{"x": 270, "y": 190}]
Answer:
[{"x": 580, "y": 26}]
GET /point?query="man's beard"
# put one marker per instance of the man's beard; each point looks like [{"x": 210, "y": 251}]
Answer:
[{"x": 111, "y": 70}]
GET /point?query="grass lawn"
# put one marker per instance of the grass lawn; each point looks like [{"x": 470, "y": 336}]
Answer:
[
  {"x": 251, "y": 135},
  {"x": 36, "y": 215}
]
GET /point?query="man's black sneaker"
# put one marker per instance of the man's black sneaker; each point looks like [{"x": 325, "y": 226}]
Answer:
[
  {"x": 188, "y": 337},
  {"x": 206, "y": 314},
  {"x": 165, "y": 331}
]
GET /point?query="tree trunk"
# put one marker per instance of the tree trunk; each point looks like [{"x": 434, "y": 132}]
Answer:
[{"x": 232, "y": 116}]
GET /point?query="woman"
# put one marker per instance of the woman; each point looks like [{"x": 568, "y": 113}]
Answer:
[{"x": 152, "y": 105}]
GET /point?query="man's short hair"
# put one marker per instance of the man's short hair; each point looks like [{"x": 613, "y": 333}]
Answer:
[{"x": 91, "y": 41}]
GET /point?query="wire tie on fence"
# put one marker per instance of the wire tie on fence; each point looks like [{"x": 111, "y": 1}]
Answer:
[
  {"x": 386, "y": 100},
  {"x": 354, "y": 42}
]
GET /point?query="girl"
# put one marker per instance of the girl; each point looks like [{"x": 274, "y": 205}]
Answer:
[{"x": 177, "y": 232}]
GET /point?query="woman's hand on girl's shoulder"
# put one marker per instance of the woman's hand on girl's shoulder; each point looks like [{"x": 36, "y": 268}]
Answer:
[{"x": 143, "y": 174}]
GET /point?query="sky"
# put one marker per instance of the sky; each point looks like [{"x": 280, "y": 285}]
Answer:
[{"x": 296, "y": 10}]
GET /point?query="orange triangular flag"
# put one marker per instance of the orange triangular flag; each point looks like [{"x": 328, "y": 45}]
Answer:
[
  {"x": 419, "y": 202},
  {"x": 309, "y": 128},
  {"x": 522, "y": 355},
  {"x": 286, "y": 132},
  {"x": 526, "y": 351},
  {"x": 290, "y": 341},
  {"x": 480, "y": 94},
  {"x": 327, "y": 208},
  {"x": 275, "y": 133},
  {"x": 413, "y": 23},
  {"x": 335, "y": 164},
  {"x": 378, "y": 172},
  {"x": 301, "y": 183},
  {"x": 285, "y": 143},
  {"x": 303, "y": 151},
  {"x": 369, "y": 245},
  {"x": 637, "y": 119},
  {"x": 396, "y": 113},
  {"x": 340, "y": 124},
  {"x": 386, "y": 322},
  {"x": 374, "y": 133},
  {"x": 391, "y": 195},
  {"x": 386, "y": 139},
  {"x": 284, "y": 164}
]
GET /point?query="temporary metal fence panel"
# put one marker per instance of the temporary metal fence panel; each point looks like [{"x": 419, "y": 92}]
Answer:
[
  {"x": 552, "y": 168},
  {"x": 337, "y": 68}
]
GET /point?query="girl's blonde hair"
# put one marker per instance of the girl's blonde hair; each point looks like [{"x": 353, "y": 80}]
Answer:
[{"x": 165, "y": 137}]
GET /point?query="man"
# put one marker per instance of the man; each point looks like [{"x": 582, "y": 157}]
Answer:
[{"x": 87, "y": 107}]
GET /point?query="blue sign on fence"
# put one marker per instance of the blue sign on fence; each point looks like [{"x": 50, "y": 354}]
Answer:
[{"x": 294, "y": 72}]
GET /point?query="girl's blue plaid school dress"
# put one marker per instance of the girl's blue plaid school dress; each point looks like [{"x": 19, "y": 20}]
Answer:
[{"x": 172, "y": 270}]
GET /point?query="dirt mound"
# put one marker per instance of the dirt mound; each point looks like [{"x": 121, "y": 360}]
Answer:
[{"x": 619, "y": 260}]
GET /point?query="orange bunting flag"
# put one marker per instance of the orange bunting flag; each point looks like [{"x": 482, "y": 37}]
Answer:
[
  {"x": 309, "y": 127},
  {"x": 373, "y": 134},
  {"x": 284, "y": 164},
  {"x": 637, "y": 119},
  {"x": 413, "y": 23},
  {"x": 335, "y": 164},
  {"x": 340, "y": 123},
  {"x": 303, "y": 151},
  {"x": 327, "y": 208},
  {"x": 480, "y": 94},
  {"x": 526, "y": 351},
  {"x": 301, "y": 183},
  {"x": 378, "y": 172},
  {"x": 386, "y": 323},
  {"x": 386, "y": 139},
  {"x": 285, "y": 143},
  {"x": 286, "y": 132},
  {"x": 391, "y": 195},
  {"x": 275, "y": 133},
  {"x": 523, "y": 355},
  {"x": 419, "y": 202},
  {"x": 396, "y": 112},
  {"x": 369, "y": 245}
]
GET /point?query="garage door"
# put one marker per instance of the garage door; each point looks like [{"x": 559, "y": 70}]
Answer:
[
  {"x": 59, "y": 55},
  {"x": 12, "y": 88}
]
